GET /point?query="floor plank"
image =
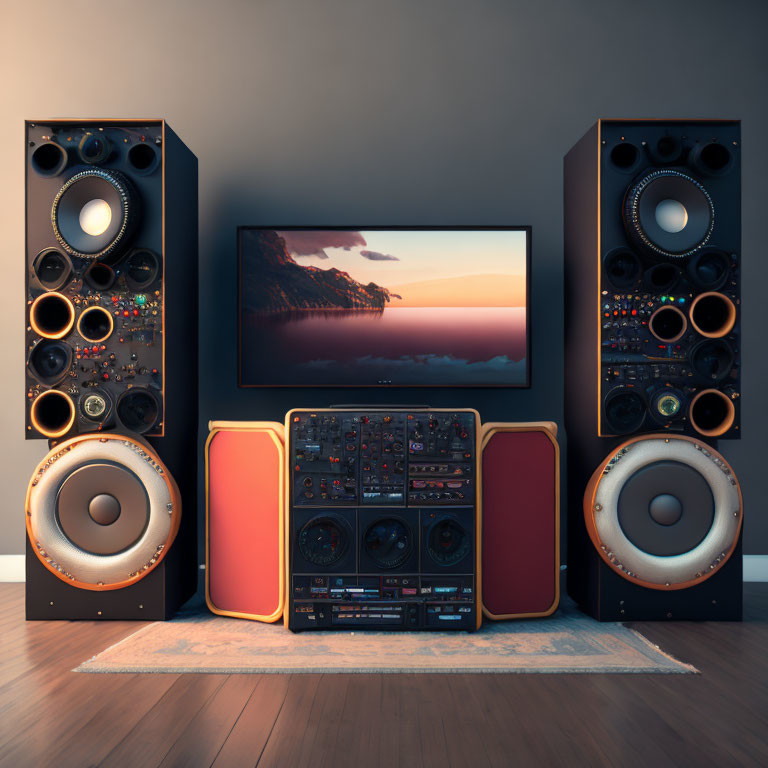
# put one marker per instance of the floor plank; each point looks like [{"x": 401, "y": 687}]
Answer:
[
  {"x": 249, "y": 735},
  {"x": 50, "y": 715}
]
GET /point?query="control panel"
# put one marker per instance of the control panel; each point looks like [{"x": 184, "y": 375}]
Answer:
[
  {"x": 659, "y": 351},
  {"x": 383, "y": 521}
]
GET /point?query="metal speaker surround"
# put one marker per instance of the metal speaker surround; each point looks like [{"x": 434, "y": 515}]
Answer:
[
  {"x": 664, "y": 512},
  {"x": 651, "y": 209},
  {"x": 102, "y": 511},
  {"x": 95, "y": 185}
]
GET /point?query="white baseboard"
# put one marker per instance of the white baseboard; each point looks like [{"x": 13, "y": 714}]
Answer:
[
  {"x": 12, "y": 568},
  {"x": 755, "y": 567}
]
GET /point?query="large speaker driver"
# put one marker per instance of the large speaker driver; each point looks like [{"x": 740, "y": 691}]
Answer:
[
  {"x": 669, "y": 213},
  {"x": 102, "y": 511},
  {"x": 664, "y": 512},
  {"x": 94, "y": 213}
]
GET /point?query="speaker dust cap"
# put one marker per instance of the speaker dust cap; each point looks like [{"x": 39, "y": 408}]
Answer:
[
  {"x": 664, "y": 512},
  {"x": 102, "y": 511}
]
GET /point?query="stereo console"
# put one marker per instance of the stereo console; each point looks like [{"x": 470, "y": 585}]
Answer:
[{"x": 383, "y": 519}]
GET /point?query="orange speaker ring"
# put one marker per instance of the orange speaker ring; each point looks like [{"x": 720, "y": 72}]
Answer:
[
  {"x": 668, "y": 308},
  {"x": 729, "y": 323},
  {"x": 589, "y": 517},
  {"x": 35, "y": 422},
  {"x": 173, "y": 490},
  {"x": 95, "y": 309},
  {"x": 46, "y": 297},
  {"x": 725, "y": 426}
]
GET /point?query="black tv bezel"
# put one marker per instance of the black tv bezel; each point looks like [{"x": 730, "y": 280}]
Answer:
[{"x": 527, "y": 228}]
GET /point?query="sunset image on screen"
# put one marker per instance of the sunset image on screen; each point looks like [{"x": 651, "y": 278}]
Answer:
[{"x": 383, "y": 307}]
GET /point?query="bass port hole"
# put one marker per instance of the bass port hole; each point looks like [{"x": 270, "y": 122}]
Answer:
[
  {"x": 53, "y": 413},
  {"x": 52, "y": 315},
  {"x": 138, "y": 410},
  {"x": 713, "y": 314},
  {"x": 668, "y": 324},
  {"x": 712, "y": 413}
]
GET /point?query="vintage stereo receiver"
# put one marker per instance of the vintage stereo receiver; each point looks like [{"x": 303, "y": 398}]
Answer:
[{"x": 383, "y": 519}]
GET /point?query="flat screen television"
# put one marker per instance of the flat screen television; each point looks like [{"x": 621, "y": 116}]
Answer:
[{"x": 384, "y": 306}]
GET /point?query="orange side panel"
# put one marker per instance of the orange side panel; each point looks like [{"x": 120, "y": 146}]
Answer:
[{"x": 244, "y": 563}]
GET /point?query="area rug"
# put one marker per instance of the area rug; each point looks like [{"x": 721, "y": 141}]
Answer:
[{"x": 567, "y": 642}]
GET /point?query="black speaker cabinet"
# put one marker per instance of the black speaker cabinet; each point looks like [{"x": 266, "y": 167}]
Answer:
[
  {"x": 156, "y": 597},
  {"x": 652, "y": 360},
  {"x": 111, "y": 342}
]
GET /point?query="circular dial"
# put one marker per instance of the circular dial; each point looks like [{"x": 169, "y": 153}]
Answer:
[
  {"x": 323, "y": 540},
  {"x": 447, "y": 542},
  {"x": 388, "y": 542}
]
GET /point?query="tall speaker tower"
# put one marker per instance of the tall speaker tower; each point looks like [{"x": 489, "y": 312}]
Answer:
[
  {"x": 111, "y": 368},
  {"x": 653, "y": 365}
]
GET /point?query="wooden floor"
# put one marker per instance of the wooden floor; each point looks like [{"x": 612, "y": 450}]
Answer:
[{"x": 50, "y": 716}]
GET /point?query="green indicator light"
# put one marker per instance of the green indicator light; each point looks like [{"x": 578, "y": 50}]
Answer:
[
  {"x": 681, "y": 300},
  {"x": 140, "y": 299},
  {"x": 663, "y": 298}
]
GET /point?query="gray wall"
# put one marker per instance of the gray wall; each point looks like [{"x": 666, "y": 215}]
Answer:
[{"x": 364, "y": 111}]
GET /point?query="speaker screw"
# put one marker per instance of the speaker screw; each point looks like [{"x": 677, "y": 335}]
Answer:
[
  {"x": 141, "y": 606},
  {"x": 621, "y": 602},
  {"x": 51, "y": 603},
  {"x": 598, "y": 507},
  {"x": 621, "y": 611},
  {"x": 669, "y": 615},
  {"x": 714, "y": 602},
  {"x": 98, "y": 612}
]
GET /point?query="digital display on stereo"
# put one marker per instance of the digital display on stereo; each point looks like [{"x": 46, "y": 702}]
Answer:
[{"x": 383, "y": 519}]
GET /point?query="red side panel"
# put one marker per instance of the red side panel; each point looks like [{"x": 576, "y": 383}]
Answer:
[
  {"x": 244, "y": 523},
  {"x": 520, "y": 524}
]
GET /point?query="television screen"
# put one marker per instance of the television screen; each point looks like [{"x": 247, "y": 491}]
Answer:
[{"x": 421, "y": 307}]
